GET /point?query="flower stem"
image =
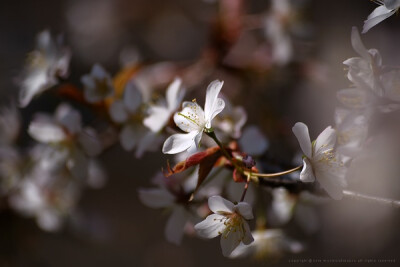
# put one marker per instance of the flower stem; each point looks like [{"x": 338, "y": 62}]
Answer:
[
  {"x": 226, "y": 154},
  {"x": 245, "y": 187},
  {"x": 272, "y": 175},
  {"x": 384, "y": 201}
]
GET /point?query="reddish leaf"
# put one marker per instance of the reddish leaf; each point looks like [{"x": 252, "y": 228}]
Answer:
[{"x": 193, "y": 160}]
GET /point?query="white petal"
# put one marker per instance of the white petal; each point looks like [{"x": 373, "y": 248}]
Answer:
[
  {"x": 175, "y": 226},
  {"x": 248, "y": 237},
  {"x": 44, "y": 129},
  {"x": 78, "y": 165},
  {"x": 358, "y": 44},
  {"x": 129, "y": 137},
  {"x": 132, "y": 97},
  {"x": 392, "y": 4},
  {"x": 245, "y": 210},
  {"x": 331, "y": 183},
  {"x": 307, "y": 174},
  {"x": 118, "y": 111},
  {"x": 230, "y": 242},
  {"x": 300, "y": 130},
  {"x": 353, "y": 97},
  {"x": 378, "y": 15},
  {"x": 179, "y": 142},
  {"x": 149, "y": 141},
  {"x": 211, "y": 227},
  {"x": 219, "y": 204},
  {"x": 174, "y": 95},
  {"x": 325, "y": 140},
  {"x": 158, "y": 118},
  {"x": 213, "y": 105},
  {"x": 156, "y": 198},
  {"x": 90, "y": 142},
  {"x": 191, "y": 118},
  {"x": 69, "y": 118}
]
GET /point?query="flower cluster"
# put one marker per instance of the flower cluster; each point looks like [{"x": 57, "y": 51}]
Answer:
[{"x": 208, "y": 187}]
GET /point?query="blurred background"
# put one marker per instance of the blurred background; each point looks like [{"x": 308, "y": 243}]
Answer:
[{"x": 276, "y": 91}]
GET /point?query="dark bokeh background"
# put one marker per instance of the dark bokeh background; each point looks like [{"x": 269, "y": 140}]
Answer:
[{"x": 119, "y": 230}]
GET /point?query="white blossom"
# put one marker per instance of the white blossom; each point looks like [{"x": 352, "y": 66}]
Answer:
[
  {"x": 97, "y": 84},
  {"x": 159, "y": 115},
  {"x": 193, "y": 120},
  {"x": 49, "y": 61},
  {"x": 386, "y": 9},
  {"x": 163, "y": 197},
  {"x": 229, "y": 221},
  {"x": 126, "y": 111},
  {"x": 320, "y": 161},
  {"x": 364, "y": 71}
]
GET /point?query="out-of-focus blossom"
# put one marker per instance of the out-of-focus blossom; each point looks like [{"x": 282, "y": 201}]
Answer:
[
  {"x": 127, "y": 111},
  {"x": 49, "y": 61},
  {"x": 270, "y": 243},
  {"x": 10, "y": 168},
  {"x": 277, "y": 33},
  {"x": 364, "y": 71},
  {"x": 64, "y": 131},
  {"x": 391, "y": 85},
  {"x": 386, "y": 9},
  {"x": 160, "y": 114},
  {"x": 97, "y": 84},
  {"x": 229, "y": 221},
  {"x": 193, "y": 120},
  {"x": 231, "y": 120},
  {"x": 320, "y": 161},
  {"x": 352, "y": 130},
  {"x": 282, "y": 206},
  {"x": 173, "y": 197}
]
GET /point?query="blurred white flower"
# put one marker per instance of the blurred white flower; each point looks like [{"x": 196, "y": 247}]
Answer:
[
  {"x": 49, "y": 61},
  {"x": 70, "y": 141},
  {"x": 364, "y": 71},
  {"x": 386, "y": 9},
  {"x": 126, "y": 111},
  {"x": 352, "y": 131},
  {"x": 193, "y": 120},
  {"x": 97, "y": 84},
  {"x": 282, "y": 206},
  {"x": 162, "y": 197},
  {"x": 159, "y": 115},
  {"x": 270, "y": 243},
  {"x": 231, "y": 120},
  {"x": 321, "y": 161},
  {"x": 277, "y": 33},
  {"x": 229, "y": 221}
]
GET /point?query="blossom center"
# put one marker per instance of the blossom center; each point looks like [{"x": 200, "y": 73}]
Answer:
[{"x": 233, "y": 223}]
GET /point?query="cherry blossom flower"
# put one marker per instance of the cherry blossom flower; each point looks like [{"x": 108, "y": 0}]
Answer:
[
  {"x": 97, "y": 84},
  {"x": 71, "y": 144},
  {"x": 126, "y": 111},
  {"x": 386, "y": 9},
  {"x": 364, "y": 71},
  {"x": 193, "y": 120},
  {"x": 229, "y": 221},
  {"x": 320, "y": 161},
  {"x": 173, "y": 194},
  {"x": 49, "y": 61},
  {"x": 10, "y": 124},
  {"x": 230, "y": 121},
  {"x": 159, "y": 115}
]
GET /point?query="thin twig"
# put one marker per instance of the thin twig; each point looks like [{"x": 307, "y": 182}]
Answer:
[{"x": 384, "y": 201}]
